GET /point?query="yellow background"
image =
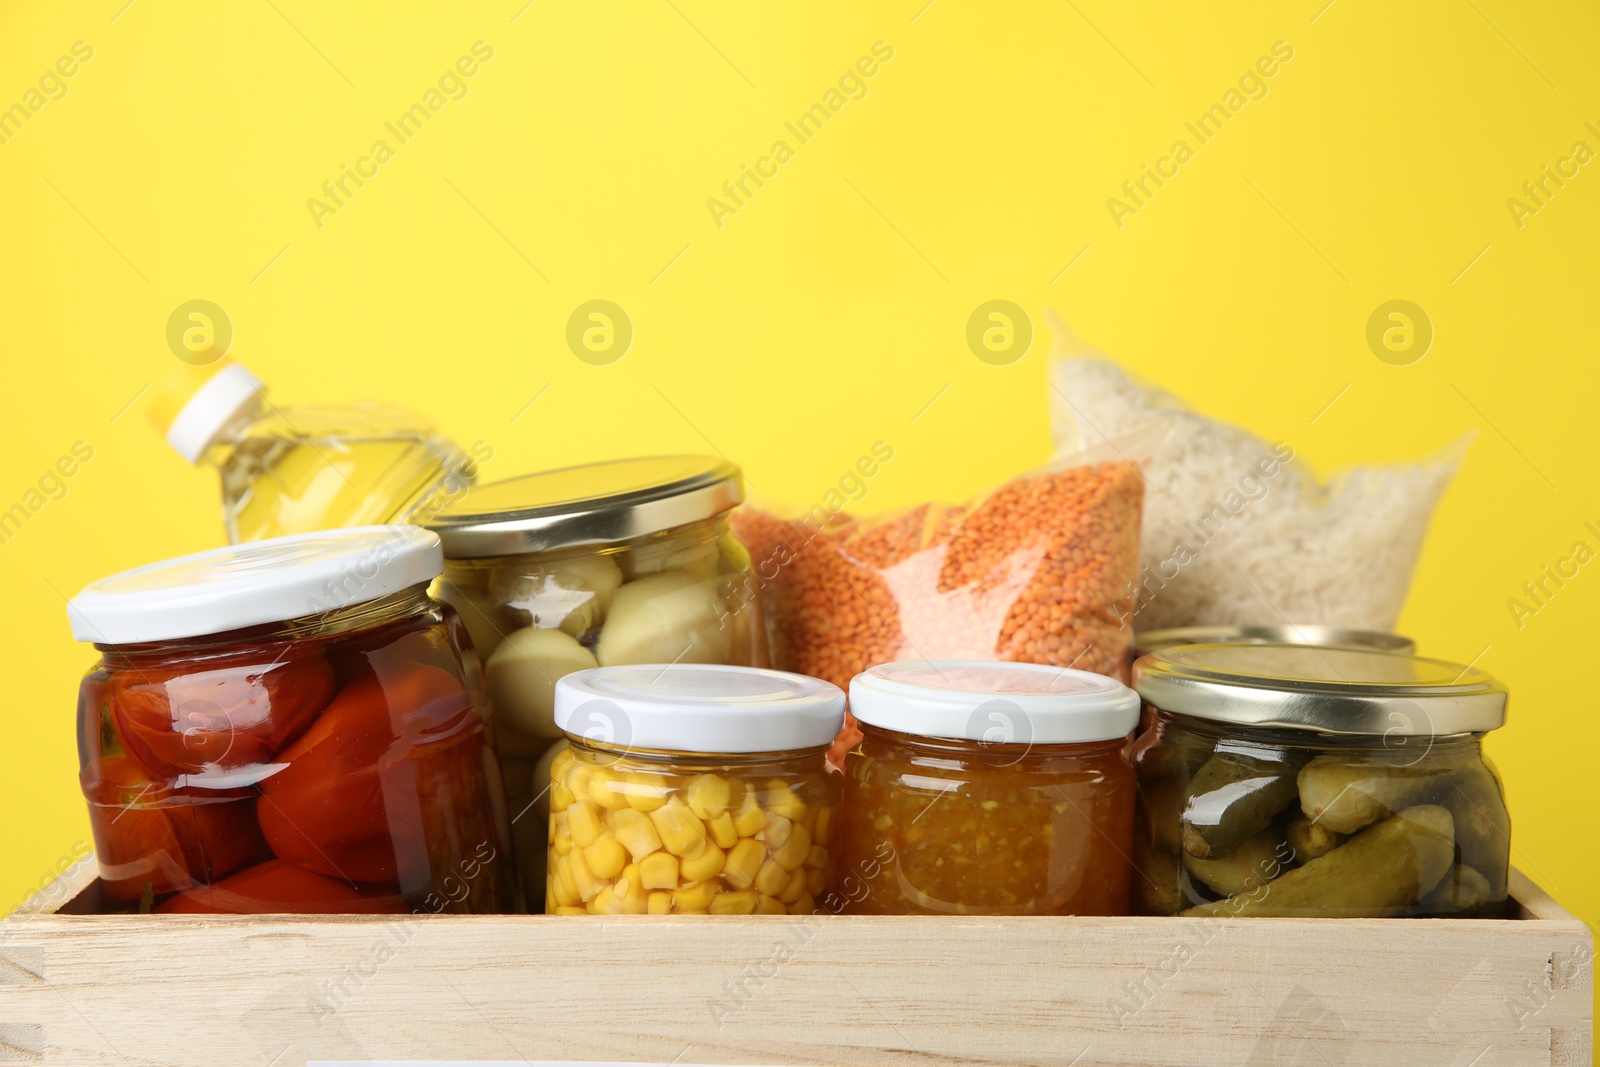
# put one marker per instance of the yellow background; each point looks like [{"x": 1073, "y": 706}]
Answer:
[{"x": 831, "y": 309}]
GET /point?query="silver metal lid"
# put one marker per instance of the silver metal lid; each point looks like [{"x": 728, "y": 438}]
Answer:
[
  {"x": 1326, "y": 690},
  {"x": 596, "y": 503},
  {"x": 1287, "y": 634}
]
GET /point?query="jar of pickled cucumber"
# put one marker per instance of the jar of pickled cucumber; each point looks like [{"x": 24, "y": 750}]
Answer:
[
  {"x": 1330, "y": 782},
  {"x": 987, "y": 789},
  {"x": 606, "y": 564},
  {"x": 289, "y": 726},
  {"x": 692, "y": 790}
]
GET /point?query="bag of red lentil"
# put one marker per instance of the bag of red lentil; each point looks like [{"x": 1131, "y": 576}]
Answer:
[{"x": 1039, "y": 570}]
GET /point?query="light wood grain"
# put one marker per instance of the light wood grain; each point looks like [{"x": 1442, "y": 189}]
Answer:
[{"x": 193, "y": 990}]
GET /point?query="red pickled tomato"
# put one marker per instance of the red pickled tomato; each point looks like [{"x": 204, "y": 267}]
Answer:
[
  {"x": 218, "y": 835},
  {"x": 279, "y": 887},
  {"x": 134, "y": 840},
  {"x": 179, "y": 719},
  {"x": 325, "y": 811}
]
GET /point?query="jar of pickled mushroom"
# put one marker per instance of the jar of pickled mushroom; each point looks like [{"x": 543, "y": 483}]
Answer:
[
  {"x": 1331, "y": 782},
  {"x": 605, "y": 564},
  {"x": 985, "y": 788},
  {"x": 286, "y": 726},
  {"x": 693, "y": 790}
]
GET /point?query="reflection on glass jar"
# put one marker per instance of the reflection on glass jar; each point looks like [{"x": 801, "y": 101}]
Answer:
[
  {"x": 988, "y": 789},
  {"x": 241, "y": 753},
  {"x": 1286, "y": 780}
]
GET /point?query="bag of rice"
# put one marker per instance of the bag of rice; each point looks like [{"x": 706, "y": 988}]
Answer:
[
  {"x": 1236, "y": 531},
  {"x": 1039, "y": 570}
]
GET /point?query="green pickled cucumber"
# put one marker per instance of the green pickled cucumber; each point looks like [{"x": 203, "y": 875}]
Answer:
[
  {"x": 1483, "y": 827},
  {"x": 1343, "y": 795},
  {"x": 1463, "y": 888},
  {"x": 1310, "y": 840},
  {"x": 1377, "y": 873},
  {"x": 1232, "y": 797},
  {"x": 1156, "y": 877},
  {"x": 1256, "y": 861},
  {"x": 1161, "y": 811}
]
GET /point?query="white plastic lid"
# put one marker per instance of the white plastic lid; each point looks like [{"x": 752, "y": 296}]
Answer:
[
  {"x": 255, "y": 583},
  {"x": 699, "y": 708},
  {"x": 205, "y": 414},
  {"x": 998, "y": 703}
]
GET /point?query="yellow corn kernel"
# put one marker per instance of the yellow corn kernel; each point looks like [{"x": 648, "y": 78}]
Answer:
[
  {"x": 696, "y": 897},
  {"x": 646, "y": 792},
  {"x": 816, "y": 882},
  {"x": 659, "y": 870},
  {"x": 804, "y": 906},
  {"x": 561, "y": 885},
  {"x": 810, "y": 821},
  {"x": 822, "y": 832},
  {"x": 602, "y": 793},
  {"x": 817, "y": 859},
  {"x": 739, "y": 902},
  {"x": 562, "y": 845},
  {"x": 660, "y": 903},
  {"x": 565, "y": 910},
  {"x": 777, "y": 831},
  {"x": 605, "y": 858},
  {"x": 558, "y": 762},
  {"x": 584, "y": 818},
  {"x": 630, "y": 890},
  {"x": 750, "y": 818},
  {"x": 708, "y": 795},
  {"x": 708, "y": 864},
  {"x": 771, "y": 906},
  {"x": 795, "y": 851},
  {"x": 781, "y": 799},
  {"x": 605, "y": 902},
  {"x": 771, "y": 878},
  {"x": 795, "y": 888},
  {"x": 577, "y": 777},
  {"x": 722, "y": 831},
  {"x": 744, "y": 861},
  {"x": 583, "y": 878},
  {"x": 636, "y": 832},
  {"x": 681, "y": 832},
  {"x": 561, "y": 797}
]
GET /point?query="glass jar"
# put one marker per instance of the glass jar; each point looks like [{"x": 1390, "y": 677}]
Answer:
[
  {"x": 693, "y": 790},
  {"x": 1291, "y": 780},
  {"x": 606, "y": 564},
  {"x": 286, "y": 726},
  {"x": 988, "y": 789},
  {"x": 1147, "y": 641}
]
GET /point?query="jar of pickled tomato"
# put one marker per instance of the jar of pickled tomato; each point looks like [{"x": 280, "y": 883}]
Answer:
[
  {"x": 693, "y": 790},
  {"x": 605, "y": 564},
  {"x": 985, "y": 788},
  {"x": 288, "y": 726}
]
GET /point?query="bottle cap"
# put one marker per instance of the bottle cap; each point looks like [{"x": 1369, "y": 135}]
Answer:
[{"x": 192, "y": 405}]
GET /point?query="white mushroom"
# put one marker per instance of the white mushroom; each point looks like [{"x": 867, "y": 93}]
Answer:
[
  {"x": 669, "y": 617},
  {"x": 568, "y": 594},
  {"x": 522, "y": 677}
]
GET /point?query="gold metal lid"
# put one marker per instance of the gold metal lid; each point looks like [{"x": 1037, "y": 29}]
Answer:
[
  {"x": 596, "y": 503},
  {"x": 1284, "y": 634},
  {"x": 1326, "y": 690}
]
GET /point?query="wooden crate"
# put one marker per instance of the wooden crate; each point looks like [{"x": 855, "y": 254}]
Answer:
[{"x": 79, "y": 988}]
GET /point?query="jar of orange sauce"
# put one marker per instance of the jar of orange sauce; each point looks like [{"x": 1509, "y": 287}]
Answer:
[{"x": 985, "y": 788}]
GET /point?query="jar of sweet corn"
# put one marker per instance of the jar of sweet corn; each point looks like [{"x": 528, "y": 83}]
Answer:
[
  {"x": 692, "y": 790},
  {"x": 987, "y": 789}
]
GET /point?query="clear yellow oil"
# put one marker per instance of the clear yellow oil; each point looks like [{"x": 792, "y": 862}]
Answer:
[{"x": 322, "y": 468}]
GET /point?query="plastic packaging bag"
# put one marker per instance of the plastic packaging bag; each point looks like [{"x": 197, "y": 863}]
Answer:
[
  {"x": 1235, "y": 530},
  {"x": 1038, "y": 570}
]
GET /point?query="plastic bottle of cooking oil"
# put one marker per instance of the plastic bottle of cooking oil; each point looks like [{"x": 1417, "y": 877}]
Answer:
[{"x": 291, "y": 469}]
